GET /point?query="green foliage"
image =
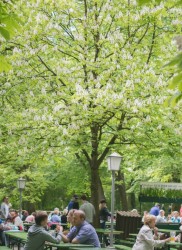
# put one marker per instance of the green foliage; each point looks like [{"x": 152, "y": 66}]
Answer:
[
  {"x": 87, "y": 80},
  {"x": 175, "y": 66},
  {"x": 176, "y": 62},
  {"x": 5, "y": 66},
  {"x": 9, "y": 25},
  {"x": 151, "y": 192},
  {"x": 143, "y": 2}
]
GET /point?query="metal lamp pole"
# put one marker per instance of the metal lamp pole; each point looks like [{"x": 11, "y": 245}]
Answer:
[
  {"x": 112, "y": 208},
  {"x": 20, "y": 210},
  {"x": 21, "y": 186},
  {"x": 114, "y": 161}
]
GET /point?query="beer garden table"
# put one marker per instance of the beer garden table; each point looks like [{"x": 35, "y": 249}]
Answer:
[
  {"x": 88, "y": 248},
  {"x": 66, "y": 246},
  {"x": 107, "y": 231},
  {"x": 168, "y": 230},
  {"x": 18, "y": 237},
  {"x": 21, "y": 237},
  {"x": 173, "y": 244}
]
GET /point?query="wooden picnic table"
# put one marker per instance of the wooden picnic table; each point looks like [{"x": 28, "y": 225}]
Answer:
[
  {"x": 171, "y": 244},
  {"x": 168, "y": 230},
  {"x": 4, "y": 248},
  {"x": 107, "y": 231},
  {"x": 134, "y": 235},
  {"x": 88, "y": 248},
  {"x": 21, "y": 237},
  {"x": 103, "y": 232},
  {"x": 66, "y": 246},
  {"x": 108, "y": 223}
]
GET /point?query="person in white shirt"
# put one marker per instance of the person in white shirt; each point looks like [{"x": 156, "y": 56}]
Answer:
[
  {"x": 161, "y": 217},
  {"x": 145, "y": 239},
  {"x": 5, "y": 208}
]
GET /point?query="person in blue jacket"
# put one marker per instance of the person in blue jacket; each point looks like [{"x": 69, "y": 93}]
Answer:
[
  {"x": 73, "y": 204},
  {"x": 155, "y": 210}
]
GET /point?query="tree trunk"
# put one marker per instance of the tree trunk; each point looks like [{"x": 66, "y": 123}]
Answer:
[
  {"x": 101, "y": 190},
  {"x": 133, "y": 201},
  {"x": 95, "y": 179},
  {"x": 122, "y": 191}
]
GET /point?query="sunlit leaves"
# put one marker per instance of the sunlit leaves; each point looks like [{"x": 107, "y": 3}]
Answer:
[
  {"x": 82, "y": 77},
  {"x": 175, "y": 66},
  {"x": 4, "y": 65},
  {"x": 9, "y": 25}
]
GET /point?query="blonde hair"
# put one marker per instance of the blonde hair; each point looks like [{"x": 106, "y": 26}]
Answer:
[
  {"x": 148, "y": 219},
  {"x": 71, "y": 212},
  {"x": 65, "y": 212}
]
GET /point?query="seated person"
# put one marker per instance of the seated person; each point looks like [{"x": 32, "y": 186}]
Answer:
[
  {"x": 55, "y": 212},
  {"x": 70, "y": 221},
  {"x": 17, "y": 221},
  {"x": 6, "y": 226},
  {"x": 25, "y": 215},
  {"x": 70, "y": 218},
  {"x": 37, "y": 235},
  {"x": 31, "y": 218},
  {"x": 55, "y": 218},
  {"x": 176, "y": 218},
  {"x": 161, "y": 217},
  {"x": 64, "y": 216},
  {"x": 169, "y": 218},
  {"x": 145, "y": 238},
  {"x": 82, "y": 232}
]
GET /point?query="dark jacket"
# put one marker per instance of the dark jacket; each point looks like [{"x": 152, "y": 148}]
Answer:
[{"x": 104, "y": 213}]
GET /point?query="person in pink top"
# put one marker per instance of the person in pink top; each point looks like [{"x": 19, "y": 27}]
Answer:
[
  {"x": 31, "y": 218},
  {"x": 180, "y": 211}
]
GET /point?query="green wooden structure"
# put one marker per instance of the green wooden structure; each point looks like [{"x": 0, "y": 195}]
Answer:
[{"x": 160, "y": 192}]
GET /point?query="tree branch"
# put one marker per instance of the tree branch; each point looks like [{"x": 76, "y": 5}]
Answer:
[
  {"x": 87, "y": 156},
  {"x": 112, "y": 141},
  {"x": 49, "y": 69},
  {"x": 152, "y": 44}
]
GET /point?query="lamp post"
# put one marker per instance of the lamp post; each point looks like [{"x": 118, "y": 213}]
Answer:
[
  {"x": 114, "y": 161},
  {"x": 21, "y": 186}
]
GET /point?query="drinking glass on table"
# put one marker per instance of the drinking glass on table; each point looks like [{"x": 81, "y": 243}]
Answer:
[{"x": 172, "y": 236}]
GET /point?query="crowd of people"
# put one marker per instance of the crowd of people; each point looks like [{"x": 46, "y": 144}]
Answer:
[
  {"x": 79, "y": 219},
  {"x": 79, "y": 229},
  {"x": 172, "y": 216},
  {"x": 47, "y": 227}
]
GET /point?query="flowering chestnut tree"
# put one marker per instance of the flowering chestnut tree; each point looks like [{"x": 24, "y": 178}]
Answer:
[{"x": 87, "y": 79}]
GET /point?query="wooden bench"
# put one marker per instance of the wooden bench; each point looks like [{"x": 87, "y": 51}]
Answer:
[
  {"x": 123, "y": 247},
  {"x": 133, "y": 235},
  {"x": 126, "y": 242},
  {"x": 86, "y": 248},
  {"x": 131, "y": 239}
]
